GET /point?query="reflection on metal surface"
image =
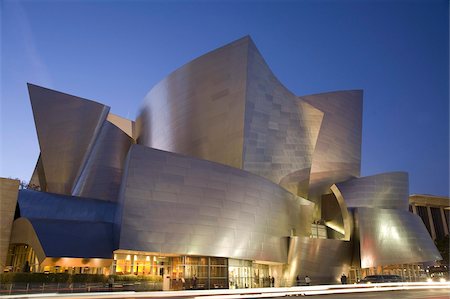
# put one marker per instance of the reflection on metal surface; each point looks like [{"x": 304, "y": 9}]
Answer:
[
  {"x": 340, "y": 219},
  {"x": 177, "y": 204},
  {"x": 224, "y": 160},
  {"x": 337, "y": 155},
  {"x": 198, "y": 110},
  {"x": 66, "y": 126},
  {"x": 102, "y": 174},
  {"x": 126, "y": 125},
  {"x": 322, "y": 260},
  {"x": 386, "y": 191},
  {"x": 389, "y": 236},
  {"x": 280, "y": 131}
]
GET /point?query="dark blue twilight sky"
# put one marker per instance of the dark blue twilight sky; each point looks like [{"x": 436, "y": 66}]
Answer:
[{"x": 115, "y": 51}]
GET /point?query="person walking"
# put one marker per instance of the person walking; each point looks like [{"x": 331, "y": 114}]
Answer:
[
  {"x": 273, "y": 281},
  {"x": 343, "y": 279},
  {"x": 307, "y": 280}
]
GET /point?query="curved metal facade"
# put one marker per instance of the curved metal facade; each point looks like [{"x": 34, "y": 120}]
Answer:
[
  {"x": 198, "y": 110},
  {"x": 389, "y": 236},
  {"x": 280, "y": 131},
  {"x": 224, "y": 160},
  {"x": 337, "y": 155},
  {"x": 176, "y": 204},
  {"x": 322, "y": 260},
  {"x": 386, "y": 191},
  {"x": 102, "y": 174}
]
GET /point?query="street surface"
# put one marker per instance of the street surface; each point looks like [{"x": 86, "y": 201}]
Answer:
[{"x": 411, "y": 294}]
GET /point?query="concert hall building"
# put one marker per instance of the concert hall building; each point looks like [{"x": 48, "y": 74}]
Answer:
[{"x": 225, "y": 174}]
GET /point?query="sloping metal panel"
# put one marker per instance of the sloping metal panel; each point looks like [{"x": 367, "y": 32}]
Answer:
[
  {"x": 280, "y": 131},
  {"x": 322, "y": 260},
  {"x": 387, "y": 191},
  {"x": 198, "y": 110},
  {"x": 389, "y": 236},
  {"x": 66, "y": 126},
  {"x": 337, "y": 155},
  {"x": 38, "y": 178},
  {"x": 176, "y": 204},
  {"x": 63, "y": 238},
  {"x": 102, "y": 175}
]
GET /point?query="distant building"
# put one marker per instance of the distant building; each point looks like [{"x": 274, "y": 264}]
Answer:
[
  {"x": 225, "y": 176},
  {"x": 434, "y": 212}
]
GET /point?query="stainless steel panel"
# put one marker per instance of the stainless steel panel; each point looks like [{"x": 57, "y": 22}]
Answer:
[
  {"x": 219, "y": 210},
  {"x": 386, "y": 191},
  {"x": 389, "y": 236},
  {"x": 66, "y": 126},
  {"x": 337, "y": 155},
  {"x": 102, "y": 175},
  {"x": 280, "y": 130},
  {"x": 322, "y": 260},
  {"x": 198, "y": 110}
]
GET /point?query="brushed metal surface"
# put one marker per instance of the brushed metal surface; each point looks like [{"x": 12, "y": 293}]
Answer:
[
  {"x": 337, "y": 155},
  {"x": 177, "y": 204},
  {"x": 387, "y": 191},
  {"x": 393, "y": 236},
  {"x": 280, "y": 131},
  {"x": 198, "y": 110},
  {"x": 126, "y": 125},
  {"x": 323, "y": 260},
  {"x": 102, "y": 175},
  {"x": 227, "y": 106},
  {"x": 66, "y": 127}
]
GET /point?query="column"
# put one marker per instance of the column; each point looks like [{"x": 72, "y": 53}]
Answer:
[
  {"x": 444, "y": 221},
  {"x": 430, "y": 219}
]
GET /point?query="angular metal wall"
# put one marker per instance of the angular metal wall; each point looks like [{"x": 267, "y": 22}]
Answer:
[
  {"x": 280, "y": 131},
  {"x": 102, "y": 174},
  {"x": 176, "y": 204},
  {"x": 337, "y": 155},
  {"x": 66, "y": 127},
  {"x": 322, "y": 260},
  {"x": 198, "y": 110},
  {"x": 390, "y": 236},
  {"x": 386, "y": 191}
]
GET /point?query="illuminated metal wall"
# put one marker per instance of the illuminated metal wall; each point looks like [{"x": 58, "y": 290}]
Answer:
[
  {"x": 177, "y": 204},
  {"x": 386, "y": 190},
  {"x": 198, "y": 110},
  {"x": 389, "y": 236},
  {"x": 102, "y": 174},
  {"x": 280, "y": 130},
  {"x": 323, "y": 260},
  {"x": 337, "y": 155}
]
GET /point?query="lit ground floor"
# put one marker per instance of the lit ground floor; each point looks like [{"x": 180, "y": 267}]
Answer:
[{"x": 185, "y": 272}]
